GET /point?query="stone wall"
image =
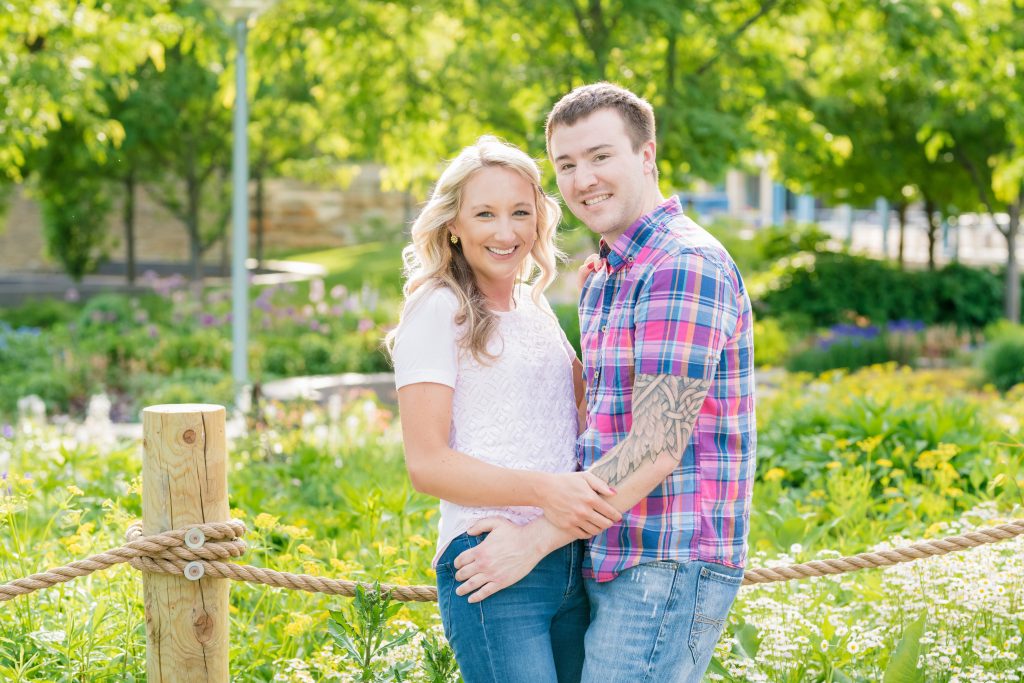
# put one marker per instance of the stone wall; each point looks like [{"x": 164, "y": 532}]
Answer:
[{"x": 298, "y": 215}]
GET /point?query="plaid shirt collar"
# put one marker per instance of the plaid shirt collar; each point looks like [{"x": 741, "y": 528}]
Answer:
[{"x": 630, "y": 243}]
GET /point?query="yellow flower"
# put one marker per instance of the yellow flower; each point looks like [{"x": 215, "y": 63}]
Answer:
[
  {"x": 265, "y": 522},
  {"x": 869, "y": 444},
  {"x": 842, "y": 443},
  {"x": 891, "y": 491},
  {"x": 75, "y": 491},
  {"x": 303, "y": 548},
  {"x": 419, "y": 540},
  {"x": 400, "y": 562},
  {"x": 298, "y": 625},
  {"x": 953, "y": 492},
  {"x": 285, "y": 558},
  {"x": 296, "y": 531},
  {"x": 237, "y": 513},
  {"x": 386, "y": 550},
  {"x": 835, "y": 464},
  {"x": 135, "y": 486},
  {"x": 884, "y": 462},
  {"x": 311, "y": 567},
  {"x": 775, "y": 474}
]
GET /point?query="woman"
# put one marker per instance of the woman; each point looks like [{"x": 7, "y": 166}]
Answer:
[{"x": 487, "y": 389}]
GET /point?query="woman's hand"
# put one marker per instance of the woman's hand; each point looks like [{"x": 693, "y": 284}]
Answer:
[
  {"x": 574, "y": 502},
  {"x": 589, "y": 266}
]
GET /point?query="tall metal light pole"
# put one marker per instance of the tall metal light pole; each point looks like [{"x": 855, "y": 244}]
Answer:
[{"x": 240, "y": 11}]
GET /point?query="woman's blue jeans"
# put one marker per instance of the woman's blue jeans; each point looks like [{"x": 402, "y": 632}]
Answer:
[{"x": 530, "y": 632}]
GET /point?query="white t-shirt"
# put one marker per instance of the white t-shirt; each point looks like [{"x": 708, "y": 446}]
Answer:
[{"x": 518, "y": 411}]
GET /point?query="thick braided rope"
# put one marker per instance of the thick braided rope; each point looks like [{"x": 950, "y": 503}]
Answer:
[
  {"x": 223, "y": 542},
  {"x": 886, "y": 558},
  {"x": 164, "y": 553}
]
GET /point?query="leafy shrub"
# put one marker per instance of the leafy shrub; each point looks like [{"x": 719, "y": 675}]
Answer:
[
  {"x": 1002, "y": 360},
  {"x": 771, "y": 343},
  {"x": 40, "y": 313},
  {"x": 830, "y": 288}
]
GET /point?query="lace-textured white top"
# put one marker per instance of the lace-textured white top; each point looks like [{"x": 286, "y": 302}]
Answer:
[{"x": 516, "y": 412}]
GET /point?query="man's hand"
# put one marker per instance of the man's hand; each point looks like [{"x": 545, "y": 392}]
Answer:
[
  {"x": 505, "y": 556},
  {"x": 573, "y": 502}
]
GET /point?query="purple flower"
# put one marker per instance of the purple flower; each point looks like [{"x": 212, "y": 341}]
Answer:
[
  {"x": 365, "y": 325},
  {"x": 338, "y": 291},
  {"x": 316, "y": 290},
  {"x": 72, "y": 294},
  {"x": 153, "y": 332},
  {"x": 8, "y": 432},
  {"x": 207, "y": 320}
]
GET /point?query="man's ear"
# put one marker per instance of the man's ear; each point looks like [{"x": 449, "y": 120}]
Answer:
[{"x": 649, "y": 151}]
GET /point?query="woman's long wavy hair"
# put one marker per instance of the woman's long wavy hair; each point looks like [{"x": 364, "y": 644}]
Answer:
[{"x": 431, "y": 258}]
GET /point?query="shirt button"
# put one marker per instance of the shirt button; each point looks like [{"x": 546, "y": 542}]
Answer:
[
  {"x": 629, "y": 258},
  {"x": 604, "y": 328}
]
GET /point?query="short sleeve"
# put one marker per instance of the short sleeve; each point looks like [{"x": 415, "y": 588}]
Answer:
[
  {"x": 426, "y": 346},
  {"x": 684, "y": 317}
]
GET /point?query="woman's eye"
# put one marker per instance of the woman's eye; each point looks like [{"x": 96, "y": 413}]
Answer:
[
  {"x": 485, "y": 214},
  {"x": 566, "y": 167},
  {"x": 522, "y": 212}
]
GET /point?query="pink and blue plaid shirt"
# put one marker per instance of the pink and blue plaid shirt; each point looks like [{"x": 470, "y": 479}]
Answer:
[{"x": 671, "y": 301}]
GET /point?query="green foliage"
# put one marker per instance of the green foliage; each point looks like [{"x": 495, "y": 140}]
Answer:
[
  {"x": 772, "y": 344},
  {"x": 39, "y": 313},
  {"x": 855, "y": 353},
  {"x": 360, "y": 630},
  {"x": 1002, "y": 359},
  {"x": 829, "y": 288},
  {"x": 569, "y": 320},
  {"x": 902, "y": 666},
  {"x": 326, "y": 493}
]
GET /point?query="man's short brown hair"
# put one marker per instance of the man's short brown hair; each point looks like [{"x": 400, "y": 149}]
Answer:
[{"x": 636, "y": 112}]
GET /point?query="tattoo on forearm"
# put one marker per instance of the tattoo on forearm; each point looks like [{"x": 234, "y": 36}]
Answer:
[{"x": 665, "y": 409}]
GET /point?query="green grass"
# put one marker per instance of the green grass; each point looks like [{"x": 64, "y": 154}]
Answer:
[{"x": 377, "y": 264}]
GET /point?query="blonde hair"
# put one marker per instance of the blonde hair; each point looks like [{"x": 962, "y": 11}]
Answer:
[{"x": 431, "y": 259}]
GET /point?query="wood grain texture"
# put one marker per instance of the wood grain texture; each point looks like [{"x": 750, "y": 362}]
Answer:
[{"x": 184, "y": 481}]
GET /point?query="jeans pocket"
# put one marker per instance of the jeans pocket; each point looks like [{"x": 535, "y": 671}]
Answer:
[{"x": 716, "y": 592}]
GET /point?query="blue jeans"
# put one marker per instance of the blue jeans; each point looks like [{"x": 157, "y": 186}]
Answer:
[
  {"x": 658, "y": 622},
  {"x": 530, "y": 632}
]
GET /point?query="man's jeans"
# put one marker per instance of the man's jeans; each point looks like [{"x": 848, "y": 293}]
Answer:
[
  {"x": 530, "y": 632},
  {"x": 658, "y": 622}
]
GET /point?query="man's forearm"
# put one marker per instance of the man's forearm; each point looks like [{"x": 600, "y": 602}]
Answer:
[
  {"x": 665, "y": 410},
  {"x": 664, "y": 414}
]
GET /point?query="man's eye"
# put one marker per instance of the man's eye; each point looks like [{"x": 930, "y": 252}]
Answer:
[
  {"x": 600, "y": 157},
  {"x": 566, "y": 167}
]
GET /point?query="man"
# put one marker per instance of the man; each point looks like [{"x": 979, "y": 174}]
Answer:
[{"x": 668, "y": 357}]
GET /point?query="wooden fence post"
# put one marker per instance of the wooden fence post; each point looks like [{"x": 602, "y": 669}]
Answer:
[{"x": 184, "y": 482}]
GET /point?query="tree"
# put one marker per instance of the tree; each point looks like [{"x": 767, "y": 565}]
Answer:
[
  {"x": 844, "y": 121},
  {"x": 974, "y": 52}
]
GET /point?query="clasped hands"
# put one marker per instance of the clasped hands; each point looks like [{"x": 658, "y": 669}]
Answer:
[{"x": 574, "y": 505}]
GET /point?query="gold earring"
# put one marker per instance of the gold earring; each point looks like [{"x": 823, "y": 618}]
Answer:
[{"x": 454, "y": 239}]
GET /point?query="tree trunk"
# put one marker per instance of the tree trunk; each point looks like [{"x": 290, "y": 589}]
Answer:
[
  {"x": 195, "y": 240},
  {"x": 929, "y": 210},
  {"x": 901, "y": 216},
  {"x": 260, "y": 227},
  {"x": 1012, "y": 267},
  {"x": 129, "y": 226}
]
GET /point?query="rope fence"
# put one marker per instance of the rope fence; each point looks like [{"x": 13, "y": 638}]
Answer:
[{"x": 200, "y": 550}]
